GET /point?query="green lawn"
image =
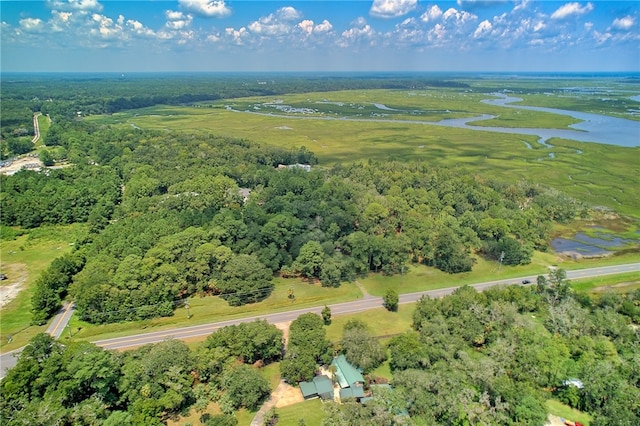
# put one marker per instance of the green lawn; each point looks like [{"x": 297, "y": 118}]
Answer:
[
  {"x": 271, "y": 372},
  {"x": 621, "y": 282},
  {"x": 420, "y": 278},
  {"x": 22, "y": 260},
  {"x": 43, "y": 126},
  {"x": 561, "y": 410},
  {"x": 386, "y": 323},
  {"x": 311, "y": 411}
]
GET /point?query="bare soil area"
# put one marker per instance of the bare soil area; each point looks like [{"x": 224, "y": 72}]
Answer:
[
  {"x": 287, "y": 395},
  {"x": 16, "y": 275},
  {"x": 20, "y": 163}
]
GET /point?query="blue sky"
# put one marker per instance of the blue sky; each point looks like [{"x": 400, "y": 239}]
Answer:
[{"x": 372, "y": 35}]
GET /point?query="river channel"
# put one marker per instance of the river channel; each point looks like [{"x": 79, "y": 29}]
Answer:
[{"x": 593, "y": 127}]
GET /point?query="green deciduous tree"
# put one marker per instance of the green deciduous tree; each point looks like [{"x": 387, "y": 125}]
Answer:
[
  {"x": 245, "y": 387},
  {"x": 310, "y": 260},
  {"x": 326, "y": 315},
  {"x": 244, "y": 279},
  {"x": 390, "y": 300},
  {"x": 360, "y": 347},
  {"x": 251, "y": 341}
]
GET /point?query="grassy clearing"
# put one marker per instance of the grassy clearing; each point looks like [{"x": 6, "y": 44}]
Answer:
[
  {"x": 386, "y": 323},
  {"x": 311, "y": 411},
  {"x": 420, "y": 277},
  {"x": 561, "y": 410},
  {"x": 22, "y": 260},
  {"x": 193, "y": 417},
  {"x": 245, "y": 416},
  {"x": 271, "y": 372},
  {"x": 621, "y": 283},
  {"x": 383, "y": 370},
  {"x": 43, "y": 126}
]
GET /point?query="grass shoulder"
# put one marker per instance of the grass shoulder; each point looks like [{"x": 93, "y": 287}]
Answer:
[{"x": 203, "y": 310}]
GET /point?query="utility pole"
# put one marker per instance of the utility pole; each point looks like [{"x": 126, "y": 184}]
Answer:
[{"x": 501, "y": 259}]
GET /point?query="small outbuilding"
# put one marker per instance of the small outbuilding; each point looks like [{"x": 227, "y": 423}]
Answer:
[{"x": 320, "y": 387}]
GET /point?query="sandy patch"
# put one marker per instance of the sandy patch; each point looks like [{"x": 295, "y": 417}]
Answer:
[
  {"x": 16, "y": 275},
  {"x": 284, "y": 326},
  {"x": 285, "y": 395}
]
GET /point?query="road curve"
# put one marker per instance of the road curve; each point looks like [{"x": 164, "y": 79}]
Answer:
[{"x": 8, "y": 360}]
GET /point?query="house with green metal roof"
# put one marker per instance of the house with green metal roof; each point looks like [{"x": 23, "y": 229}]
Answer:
[
  {"x": 352, "y": 392},
  {"x": 320, "y": 386},
  {"x": 349, "y": 378},
  {"x": 346, "y": 374}
]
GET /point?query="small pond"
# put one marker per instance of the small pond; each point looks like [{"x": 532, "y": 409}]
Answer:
[{"x": 586, "y": 245}]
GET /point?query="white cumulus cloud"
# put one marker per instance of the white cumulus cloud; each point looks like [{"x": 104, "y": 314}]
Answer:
[
  {"x": 31, "y": 24},
  {"x": 433, "y": 13},
  {"x": 237, "y": 36},
  {"x": 139, "y": 29},
  {"x": 177, "y": 20},
  {"x": 571, "y": 9},
  {"x": 483, "y": 28},
  {"x": 460, "y": 16},
  {"x": 309, "y": 27},
  {"x": 391, "y": 8},
  {"x": 275, "y": 24},
  {"x": 83, "y": 5},
  {"x": 624, "y": 23},
  {"x": 360, "y": 31},
  {"x": 208, "y": 8},
  {"x": 288, "y": 13}
]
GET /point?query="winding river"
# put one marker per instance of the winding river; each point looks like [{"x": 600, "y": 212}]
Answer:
[{"x": 593, "y": 127}]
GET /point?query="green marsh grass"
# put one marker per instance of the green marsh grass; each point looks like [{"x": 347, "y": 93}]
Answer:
[{"x": 599, "y": 174}]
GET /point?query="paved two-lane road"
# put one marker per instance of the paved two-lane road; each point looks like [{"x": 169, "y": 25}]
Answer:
[{"x": 360, "y": 305}]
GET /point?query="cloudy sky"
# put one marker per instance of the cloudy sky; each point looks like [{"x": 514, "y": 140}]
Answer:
[{"x": 362, "y": 35}]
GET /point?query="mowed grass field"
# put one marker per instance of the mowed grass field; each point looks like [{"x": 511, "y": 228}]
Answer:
[
  {"x": 22, "y": 260},
  {"x": 604, "y": 175}
]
